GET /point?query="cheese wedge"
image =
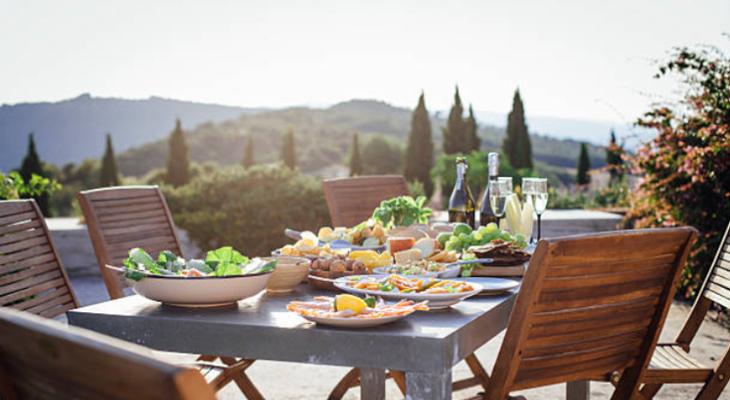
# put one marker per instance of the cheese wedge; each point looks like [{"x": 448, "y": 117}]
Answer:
[{"x": 408, "y": 256}]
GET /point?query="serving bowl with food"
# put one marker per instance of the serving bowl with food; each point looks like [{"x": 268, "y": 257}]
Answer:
[
  {"x": 224, "y": 277},
  {"x": 350, "y": 311},
  {"x": 422, "y": 268},
  {"x": 324, "y": 270},
  {"x": 289, "y": 272},
  {"x": 440, "y": 293}
]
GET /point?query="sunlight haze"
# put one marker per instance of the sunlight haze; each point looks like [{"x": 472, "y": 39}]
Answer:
[{"x": 577, "y": 59}]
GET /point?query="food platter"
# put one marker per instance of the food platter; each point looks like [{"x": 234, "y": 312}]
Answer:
[
  {"x": 354, "y": 322},
  {"x": 435, "y": 301},
  {"x": 348, "y": 311},
  {"x": 491, "y": 286}
]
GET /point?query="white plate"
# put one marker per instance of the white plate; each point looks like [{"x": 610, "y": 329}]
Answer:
[
  {"x": 354, "y": 322},
  {"x": 450, "y": 272},
  {"x": 199, "y": 291},
  {"x": 491, "y": 285},
  {"x": 435, "y": 301}
]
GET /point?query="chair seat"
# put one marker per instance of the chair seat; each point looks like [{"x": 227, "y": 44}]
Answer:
[{"x": 671, "y": 364}]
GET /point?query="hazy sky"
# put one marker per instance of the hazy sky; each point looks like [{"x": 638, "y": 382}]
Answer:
[{"x": 582, "y": 59}]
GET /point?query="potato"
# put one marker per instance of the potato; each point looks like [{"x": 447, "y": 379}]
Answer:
[{"x": 338, "y": 266}]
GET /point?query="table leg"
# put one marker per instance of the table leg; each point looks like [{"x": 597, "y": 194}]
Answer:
[
  {"x": 578, "y": 390},
  {"x": 372, "y": 384},
  {"x": 428, "y": 386}
]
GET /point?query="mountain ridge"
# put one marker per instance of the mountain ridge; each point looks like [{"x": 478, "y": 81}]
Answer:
[{"x": 81, "y": 122}]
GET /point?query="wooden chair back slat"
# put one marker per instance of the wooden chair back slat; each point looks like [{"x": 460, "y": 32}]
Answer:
[
  {"x": 45, "y": 360},
  {"x": 590, "y": 306},
  {"x": 352, "y": 200},
  {"x": 121, "y": 218},
  {"x": 32, "y": 277},
  {"x": 717, "y": 284}
]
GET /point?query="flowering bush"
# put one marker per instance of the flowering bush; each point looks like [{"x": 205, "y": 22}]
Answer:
[{"x": 686, "y": 168}]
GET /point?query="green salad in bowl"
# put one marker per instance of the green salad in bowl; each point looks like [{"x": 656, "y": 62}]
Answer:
[{"x": 222, "y": 262}]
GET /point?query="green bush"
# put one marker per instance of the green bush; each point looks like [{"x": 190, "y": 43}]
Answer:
[
  {"x": 444, "y": 171},
  {"x": 248, "y": 208}
]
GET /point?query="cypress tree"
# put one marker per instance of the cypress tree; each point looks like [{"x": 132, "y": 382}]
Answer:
[
  {"x": 614, "y": 159},
  {"x": 109, "y": 175},
  {"x": 248, "y": 156},
  {"x": 517, "y": 145},
  {"x": 288, "y": 150},
  {"x": 178, "y": 166},
  {"x": 30, "y": 166},
  {"x": 455, "y": 140},
  {"x": 584, "y": 164},
  {"x": 419, "y": 152},
  {"x": 355, "y": 163},
  {"x": 473, "y": 142}
]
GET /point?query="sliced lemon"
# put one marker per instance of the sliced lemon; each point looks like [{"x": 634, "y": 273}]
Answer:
[{"x": 350, "y": 302}]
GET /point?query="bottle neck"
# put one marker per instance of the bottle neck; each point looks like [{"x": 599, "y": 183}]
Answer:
[{"x": 460, "y": 175}]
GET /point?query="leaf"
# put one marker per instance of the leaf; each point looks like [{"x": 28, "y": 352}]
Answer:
[
  {"x": 259, "y": 265},
  {"x": 225, "y": 261},
  {"x": 138, "y": 256}
]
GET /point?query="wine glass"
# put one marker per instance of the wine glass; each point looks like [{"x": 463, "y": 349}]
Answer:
[
  {"x": 536, "y": 192},
  {"x": 499, "y": 191}
]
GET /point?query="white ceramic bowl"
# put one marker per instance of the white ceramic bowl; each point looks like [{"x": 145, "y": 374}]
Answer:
[{"x": 209, "y": 291}]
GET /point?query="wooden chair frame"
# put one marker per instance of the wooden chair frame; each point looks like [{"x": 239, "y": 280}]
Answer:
[
  {"x": 32, "y": 277},
  {"x": 125, "y": 209},
  {"x": 352, "y": 200},
  {"x": 44, "y": 359},
  {"x": 671, "y": 362},
  {"x": 551, "y": 336}
]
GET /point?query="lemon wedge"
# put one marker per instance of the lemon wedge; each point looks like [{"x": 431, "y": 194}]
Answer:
[{"x": 350, "y": 302}]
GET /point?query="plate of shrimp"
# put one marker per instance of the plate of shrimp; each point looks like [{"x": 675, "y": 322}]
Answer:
[{"x": 324, "y": 310}]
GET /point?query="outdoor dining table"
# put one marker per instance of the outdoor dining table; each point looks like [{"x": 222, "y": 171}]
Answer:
[{"x": 426, "y": 345}]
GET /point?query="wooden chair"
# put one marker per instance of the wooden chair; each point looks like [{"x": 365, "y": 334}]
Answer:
[
  {"x": 121, "y": 218},
  {"x": 44, "y": 359},
  {"x": 32, "y": 277},
  {"x": 352, "y": 200},
  {"x": 591, "y": 308},
  {"x": 671, "y": 362}
]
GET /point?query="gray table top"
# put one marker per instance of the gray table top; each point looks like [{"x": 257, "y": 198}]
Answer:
[{"x": 262, "y": 328}]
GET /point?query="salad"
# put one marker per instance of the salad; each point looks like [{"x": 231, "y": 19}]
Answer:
[
  {"x": 225, "y": 261},
  {"x": 416, "y": 268},
  {"x": 401, "y": 284},
  {"x": 402, "y": 211}
]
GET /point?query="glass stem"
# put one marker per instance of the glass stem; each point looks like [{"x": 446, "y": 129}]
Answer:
[{"x": 538, "y": 227}]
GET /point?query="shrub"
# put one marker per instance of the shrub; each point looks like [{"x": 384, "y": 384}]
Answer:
[
  {"x": 248, "y": 208},
  {"x": 445, "y": 171},
  {"x": 686, "y": 168},
  {"x": 12, "y": 186}
]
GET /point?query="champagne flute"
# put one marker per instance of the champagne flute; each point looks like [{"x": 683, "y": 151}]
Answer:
[
  {"x": 499, "y": 191},
  {"x": 536, "y": 192}
]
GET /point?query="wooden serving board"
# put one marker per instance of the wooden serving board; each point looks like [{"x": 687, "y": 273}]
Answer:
[{"x": 500, "y": 271}]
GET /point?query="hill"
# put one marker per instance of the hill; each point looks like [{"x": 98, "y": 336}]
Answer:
[
  {"x": 72, "y": 130},
  {"x": 323, "y": 137}
]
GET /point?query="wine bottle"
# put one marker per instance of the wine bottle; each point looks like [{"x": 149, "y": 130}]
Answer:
[
  {"x": 461, "y": 202},
  {"x": 486, "y": 214}
]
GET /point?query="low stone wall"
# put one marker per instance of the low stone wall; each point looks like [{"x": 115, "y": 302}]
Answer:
[{"x": 74, "y": 246}]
